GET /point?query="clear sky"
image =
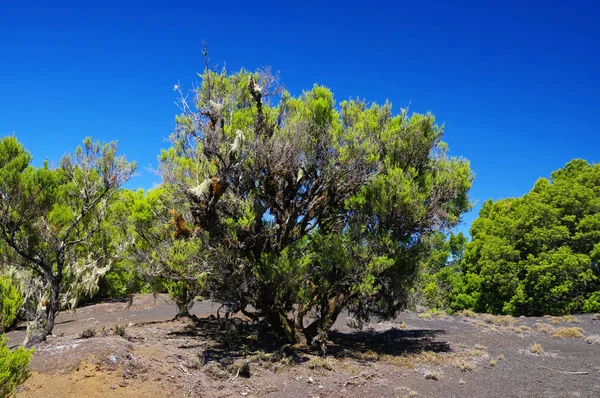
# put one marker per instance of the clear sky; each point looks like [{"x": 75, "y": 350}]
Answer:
[{"x": 516, "y": 82}]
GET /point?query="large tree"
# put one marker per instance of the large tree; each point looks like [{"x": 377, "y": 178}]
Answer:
[
  {"x": 51, "y": 218},
  {"x": 310, "y": 207},
  {"x": 539, "y": 254}
]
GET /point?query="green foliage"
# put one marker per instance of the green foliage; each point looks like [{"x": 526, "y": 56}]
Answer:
[
  {"x": 164, "y": 252},
  {"x": 122, "y": 280},
  {"x": 538, "y": 254},
  {"x": 53, "y": 222},
  {"x": 301, "y": 205},
  {"x": 10, "y": 301},
  {"x": 441, "y": 282},
  {"x": 13, "y": 367},
  {"x": 592, "y": 304}
]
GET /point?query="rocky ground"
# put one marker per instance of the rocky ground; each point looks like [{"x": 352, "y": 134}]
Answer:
[{"x": 109, "y": 350}]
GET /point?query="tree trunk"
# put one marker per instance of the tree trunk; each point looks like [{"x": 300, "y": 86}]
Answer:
[
  {"x": 184, "y": 304},
  {"x": 281, "y": 324},
  {"x": 54, "y": 307},
  {"x": 330, "y": 310},
  {"x": 184, "y": 298},
  {"x": 299, "y": 326},
  {"x": 183, "y": 311}
]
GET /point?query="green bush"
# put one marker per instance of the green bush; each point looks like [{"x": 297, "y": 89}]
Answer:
[
  {"x": 592, "y": 304},
  {"x": 120, "y": 281},
  {"x": 10, "y": 301},
  {"x": 13, "y": 367},
  {"x": 538, "y": 254}
]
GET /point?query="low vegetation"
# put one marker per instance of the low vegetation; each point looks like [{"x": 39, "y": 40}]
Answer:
[
  {"x": 468, "y": 314},
  {"x": 13, "y": 367},
  {"x": 537, "y": 349},
  {"x": 88, "y": 333},
  {"x": 432, "y": 375},
  {"x": 10, "y": 302},
  {"x": 568, "y": 332},
  {"x": 593, "y": 339}
]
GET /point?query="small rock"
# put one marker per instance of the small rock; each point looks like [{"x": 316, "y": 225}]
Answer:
[
  {"x": 244, "y": 369},
  {"x": 113, "y": 387},
  {"x": 112, "y": 358},
  {"x": 310, "y": 380},
  {"x": 123, "y": 384}
]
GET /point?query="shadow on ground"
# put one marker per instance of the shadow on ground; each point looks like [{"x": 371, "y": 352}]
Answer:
[{"x": 233, "y": 339}]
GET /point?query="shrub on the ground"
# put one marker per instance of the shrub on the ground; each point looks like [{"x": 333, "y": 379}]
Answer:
[
  {"x": 592, "y": 304},
  {"x": 120, "y": 281},
  {"x": 13, "y": 367},
  {"x": 10, "y": 301},
  {"x": 568, "y": 332},
  {"x": 537, "y": 348}
]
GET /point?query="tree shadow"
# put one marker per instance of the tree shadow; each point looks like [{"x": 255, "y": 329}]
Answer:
[
  {"x": 225, "y": 341},
  {"x": 393, "y": 341}
]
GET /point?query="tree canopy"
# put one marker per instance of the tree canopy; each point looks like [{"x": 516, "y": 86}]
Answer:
[
  {"x": 539, "y": 254},
  {"x": 306, "y": 206},
  {"x": 52, "y": 219}
]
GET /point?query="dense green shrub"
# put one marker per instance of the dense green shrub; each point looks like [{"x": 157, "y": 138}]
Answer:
[
  {"x": 539, "y": 254},
  {"x": 120, "y": 281},
  {"x": 13, "y": 367},
  {"x": 10, "y": 301},
  {"x": 441, "y": 283},
  {"x": 303, "y": 208},
  {"x": 592, "y": 304}
]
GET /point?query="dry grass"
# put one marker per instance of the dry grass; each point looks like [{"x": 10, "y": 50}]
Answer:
[
  {"x": 432, "y": 375},
  {"x": 440, "y": 314},
  {"x": 537, "y": 349},
  {"x": 468, "y": 314},
  {"x": 408, "y": 392},
  {"x": 542, "y": 328},
  {"x": 594, "y": 339},
  {"x": 464, "y": 360},
  {"x": 215, "y": 371},
  {"x": 597, "y": 316},
  {"x": 88, "y": 333},
  {"x": 120, "y": 330},
  {"x": 425, "y": 316},
  {"x": 500, "y": 320},
  {"x": 568, "y": 332},
  {"x": 557, "y": 320},
  {"x": 465, "y": 366},
  {"x": 501, "y": 357},
  {"x": 318, "y": 363},
  {"x": 271, "y": 361},
  {"x": 403, "y": 325},
  {"x": 570, "y": 318},
  {"x": 368, "y": 356}
]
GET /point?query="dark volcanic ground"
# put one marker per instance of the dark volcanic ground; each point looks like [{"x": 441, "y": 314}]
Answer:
[{"x": 422, "y": 355}]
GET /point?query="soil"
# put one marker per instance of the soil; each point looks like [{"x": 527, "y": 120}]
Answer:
[{"x": 142, "y": 352}]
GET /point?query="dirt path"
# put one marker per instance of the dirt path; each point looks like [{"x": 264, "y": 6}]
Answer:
[{"x": 441, "y": 356}]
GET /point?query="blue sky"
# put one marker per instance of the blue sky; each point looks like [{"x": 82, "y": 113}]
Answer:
[{"x": 515, "y": 82}]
